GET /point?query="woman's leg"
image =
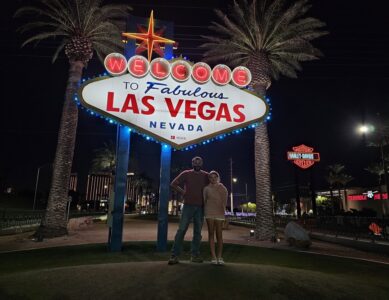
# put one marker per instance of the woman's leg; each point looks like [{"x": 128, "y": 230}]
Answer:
[
  {"x": 219, "y": 236},
  {"x": 211, "y": 234}
]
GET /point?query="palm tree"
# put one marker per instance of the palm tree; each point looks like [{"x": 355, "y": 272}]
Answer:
[
  {"x": 105, "y": 159},
  {"x": 376, "y": 169},
  {"x": 81, "y": 27},
  {"x": 333, "y": 179},
  {"x": 271, "y": 38},
  {"x": 343, "y": 180}
]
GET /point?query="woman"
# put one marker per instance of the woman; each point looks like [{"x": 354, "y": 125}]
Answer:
[{"x": 215, "y": 200}]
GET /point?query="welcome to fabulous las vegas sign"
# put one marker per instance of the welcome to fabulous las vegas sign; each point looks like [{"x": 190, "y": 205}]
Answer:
[{"x": 175, "y": 102}]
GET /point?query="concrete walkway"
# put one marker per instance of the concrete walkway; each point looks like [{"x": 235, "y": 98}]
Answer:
[{"x": 146, "y": 230}]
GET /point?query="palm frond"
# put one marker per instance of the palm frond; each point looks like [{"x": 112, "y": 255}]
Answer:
[
  {"x": 59, "y": 49},
  {"x": 68, "y": 20},
  {"x": 272, "y": 30},
  {"x": 44, "y": 35}
]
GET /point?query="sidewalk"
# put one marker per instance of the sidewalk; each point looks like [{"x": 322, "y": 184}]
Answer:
[{"x": 146, "y": 230}]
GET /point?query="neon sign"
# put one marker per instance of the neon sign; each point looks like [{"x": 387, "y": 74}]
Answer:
[
  {"x": 173, "y": 101},
  {"x": 149, "y": 40},
  {"x": 366, "y": 196},
  {"x": 303, "y": 156},
  {"x": 160, "y": 68}
]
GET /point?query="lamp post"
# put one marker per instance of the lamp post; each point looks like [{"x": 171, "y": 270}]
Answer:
[
  {"x": 36, "y": 183},
  {"x": 234, "y": 180}
]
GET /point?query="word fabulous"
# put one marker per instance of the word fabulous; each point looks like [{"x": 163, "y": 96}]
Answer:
[{"x": 180, "y": 70}]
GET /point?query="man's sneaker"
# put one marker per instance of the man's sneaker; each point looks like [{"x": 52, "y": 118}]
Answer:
[
  {"x": 220, "y": 261},
  {"x": 214, "y": 261},
  {"x": 196, "y": 259},
  {"x": 173, "y": 260}
]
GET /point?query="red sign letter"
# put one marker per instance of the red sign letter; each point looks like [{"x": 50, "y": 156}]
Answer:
[
  {"x": 180, "y": 70},
  {"x": 160, "y": 68},
  {"x": 221, "y": 74},
  {"x": 138, "y": 66},
  {"x": 110, "y": 102},
  {"x": 115, "y": 64},
  {"x": 241, "y": 76},
  {"x": 201, "y": 72}
]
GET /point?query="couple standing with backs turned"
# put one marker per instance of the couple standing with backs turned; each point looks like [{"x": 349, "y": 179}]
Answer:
[{"x": 204, "y": 196}]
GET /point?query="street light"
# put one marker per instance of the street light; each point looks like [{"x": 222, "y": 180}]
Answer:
[{"x": 234, "y": 180}]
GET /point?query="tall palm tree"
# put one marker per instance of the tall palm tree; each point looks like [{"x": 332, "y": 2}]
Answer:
[
  {"x": 271, "y": 38},
  {"x": 81, "y": 28}
]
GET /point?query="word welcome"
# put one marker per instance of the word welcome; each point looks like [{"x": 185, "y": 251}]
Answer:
[{"x": 180, "y": 70}]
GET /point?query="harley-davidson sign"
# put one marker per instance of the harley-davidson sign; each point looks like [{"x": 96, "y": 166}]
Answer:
[
  {"x": 303, "y": 156},
  {"x": 175, "y": 102}
]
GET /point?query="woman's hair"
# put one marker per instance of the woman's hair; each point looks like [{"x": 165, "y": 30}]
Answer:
[{"x": 215, "y": 173}]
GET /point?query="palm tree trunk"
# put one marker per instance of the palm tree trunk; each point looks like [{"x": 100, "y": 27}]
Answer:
[
  {"x": 332, "y": 201},
  {"x": 54, "y": 222},
  {"x": 264, "y": 225},
  {"x": 345, "y": 199},
  {"x": 340, "y": 200}
]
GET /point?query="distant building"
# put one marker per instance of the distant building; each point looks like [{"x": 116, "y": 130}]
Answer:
[
  {"x": 73, "y": 182},
  {"x": 100, "y": 186},
  {"x": 355, "y": 198}
]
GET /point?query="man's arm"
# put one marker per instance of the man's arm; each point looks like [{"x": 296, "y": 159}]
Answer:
[{"x": 175, "y": 184}]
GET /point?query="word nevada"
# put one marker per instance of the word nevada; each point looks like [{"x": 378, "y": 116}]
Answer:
[{"x": 180, "y": 70}]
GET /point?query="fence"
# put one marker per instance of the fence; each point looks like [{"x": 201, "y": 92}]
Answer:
[
  {"x": 19, "y": 220},
  {"x": 353, "y": 227},
  {"x": 341, "y": 226}
]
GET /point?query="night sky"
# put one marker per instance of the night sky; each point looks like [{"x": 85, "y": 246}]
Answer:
[{"x": 321, "y": 108}]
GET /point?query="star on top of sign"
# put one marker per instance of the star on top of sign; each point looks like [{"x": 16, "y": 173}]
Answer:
[{"x": 150, "y": 40}]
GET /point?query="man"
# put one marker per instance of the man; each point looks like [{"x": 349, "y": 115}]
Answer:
[{"x": 193, "y": 181}]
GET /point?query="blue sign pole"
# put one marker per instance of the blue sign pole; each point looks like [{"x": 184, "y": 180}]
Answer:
[
  {"x": 164, "y": 185},
  {"x": 164, "y": 192},
  {"x": 122, "y": 154},
  {"x": 115, "y": 236}
]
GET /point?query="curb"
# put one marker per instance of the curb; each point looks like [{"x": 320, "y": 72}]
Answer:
[{"x": 357, "y": 244}]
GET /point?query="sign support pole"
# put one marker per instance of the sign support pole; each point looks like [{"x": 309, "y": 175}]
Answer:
[
  {"x": 297, "y": 193},
  {"x": 122, "y": 154},
  {"x": 164, "y": 191},
  {"x": 164, "y": 183},
  {"x": 313, "y": 193}
]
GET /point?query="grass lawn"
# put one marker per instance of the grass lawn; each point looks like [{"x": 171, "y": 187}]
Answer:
[{"x": 90, "y": 272}]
